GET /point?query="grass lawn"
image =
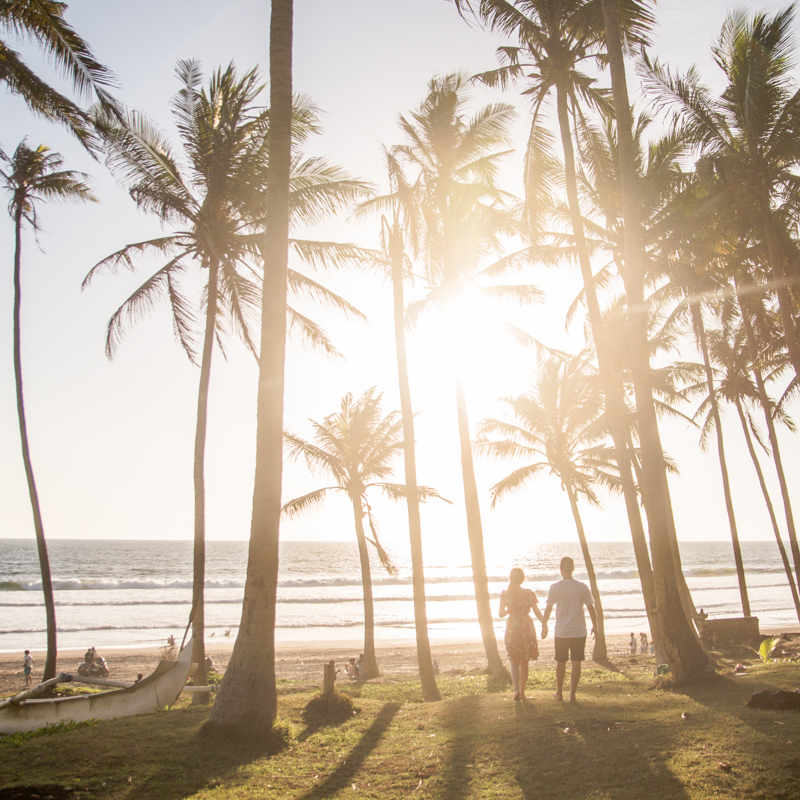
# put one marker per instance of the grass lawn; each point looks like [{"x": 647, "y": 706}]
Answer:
[{"x": 623, "y": 740}]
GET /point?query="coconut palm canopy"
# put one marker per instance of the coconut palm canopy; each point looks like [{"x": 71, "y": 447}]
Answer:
[{"x": 79, "y": 435}]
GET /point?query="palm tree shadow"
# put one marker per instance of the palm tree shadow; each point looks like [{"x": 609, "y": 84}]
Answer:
[
  {"x": 343, "y": 775},
  {"x": 456, "y": 772},
  {"x": 219, "y": 759}
]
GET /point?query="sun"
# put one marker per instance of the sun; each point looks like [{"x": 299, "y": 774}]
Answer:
[{"x": 469, "y": 340}]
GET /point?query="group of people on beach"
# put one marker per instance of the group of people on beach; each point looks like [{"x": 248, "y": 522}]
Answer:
[
  {"x": 569, "y": 597},
  {"x": 643, "y": 644}
]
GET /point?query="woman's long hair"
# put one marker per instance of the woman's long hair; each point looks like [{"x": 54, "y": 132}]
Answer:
[{"x": 515, "y": 580}]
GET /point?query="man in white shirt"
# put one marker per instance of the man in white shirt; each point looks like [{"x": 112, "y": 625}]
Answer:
[{"x": 569, "y": 597}]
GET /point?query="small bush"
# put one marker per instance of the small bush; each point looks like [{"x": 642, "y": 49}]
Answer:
[{"x": 328, "y": 709}]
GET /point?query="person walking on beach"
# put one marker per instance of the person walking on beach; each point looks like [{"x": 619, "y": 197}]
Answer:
[
  {"x": 569, "y": 597},
  {"x": 520, "y": 638},
  {"x": 27, "y": 667}
]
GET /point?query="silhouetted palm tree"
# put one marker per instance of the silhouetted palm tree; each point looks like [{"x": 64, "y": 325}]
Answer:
[
  {"x": 557, "y": 426},
  {"x": 218, "y": 201},
  {"x": 356, "y": 447},
  {"x": 400, "y": 227},
  {"x": 747, "y": 139},
  {"x": 247, "y": 702},
  {"x": 454, "y": 160},
  {"x": 32, "y": 176},
  {"x": 42, "y": 21}
]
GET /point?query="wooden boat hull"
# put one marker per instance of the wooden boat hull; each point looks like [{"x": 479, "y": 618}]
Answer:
[{"x": 159, "y": 689}]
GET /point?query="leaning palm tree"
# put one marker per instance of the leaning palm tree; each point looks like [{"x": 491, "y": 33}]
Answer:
[
  {"x": 42, "y": 21},
  {"x": 32, "y": 176},
  {"x": 454, "y": 159},
  {"x": 356, "y": 447},
  {"x": 218, "y": 203},
  {"x": 557, "y": 426}
]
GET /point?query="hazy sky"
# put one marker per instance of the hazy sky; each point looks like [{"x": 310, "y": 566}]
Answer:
[{"x": 112, "y": 441}]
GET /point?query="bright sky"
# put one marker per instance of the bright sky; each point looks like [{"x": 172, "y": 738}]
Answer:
[{"x": 112, "y": 442}]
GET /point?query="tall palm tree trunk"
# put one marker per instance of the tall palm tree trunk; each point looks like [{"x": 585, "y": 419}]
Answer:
[
  {"x": 614, "y": 406},
  {"x": 779, "y": 280},
  {"x": 247, "y": 701},
  {"x": 599, "y": 651},
  {"x": 430, "y": 691},
  {"x": 773, "y": 435},
  {"x": 199, "y": 572},
  {"x": 38, "y": 525},
  {"x": 699, "y": 327},
  {"x": 773, "y": 519},
  {"x": 689, "y": 607},
  {"x": 369, "y": 668},
  {"x": 475, "y": 534},
  {"x": 682, "y": 649}
]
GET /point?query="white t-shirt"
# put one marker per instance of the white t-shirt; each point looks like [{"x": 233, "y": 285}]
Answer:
[{"x": 569, "y": 597}]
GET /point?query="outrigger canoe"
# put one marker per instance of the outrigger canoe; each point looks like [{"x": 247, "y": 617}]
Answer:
[{"x": 159, "y": 689}]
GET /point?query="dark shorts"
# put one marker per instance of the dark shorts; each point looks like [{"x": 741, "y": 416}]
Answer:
[
  {"x": 570, "y": 649},
  {"x": 27, "y": 671}
]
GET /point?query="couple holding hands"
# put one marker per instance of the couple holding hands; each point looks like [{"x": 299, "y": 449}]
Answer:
[{"x": 569, "y": 597}]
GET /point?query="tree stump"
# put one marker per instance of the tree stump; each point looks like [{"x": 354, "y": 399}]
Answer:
[{"x": 329, "y": 679}]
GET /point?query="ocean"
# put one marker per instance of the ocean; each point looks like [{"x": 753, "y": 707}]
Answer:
[{"x": 137, "y": 593}]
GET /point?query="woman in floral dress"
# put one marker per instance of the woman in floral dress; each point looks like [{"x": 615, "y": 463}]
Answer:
[{"x": 521, "y": 643}]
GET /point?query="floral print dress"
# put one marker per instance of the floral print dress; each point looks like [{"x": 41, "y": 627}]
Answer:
[{"x": 520, "y": 638}]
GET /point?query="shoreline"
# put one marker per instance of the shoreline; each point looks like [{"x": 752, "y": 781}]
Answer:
[
  {"x": 297, "y": 661},
  {"x": 304, "y": 661}
]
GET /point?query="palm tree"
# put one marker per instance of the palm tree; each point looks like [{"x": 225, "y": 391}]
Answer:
[
  {"x": 356, "y": 448},
  {"x": 43, "y": 22},
  {"x": 747, "y": 139},
  {"x": 727, "y": 349},
  {"x": 556, "y": 39},
  {"x": 247, "y": 702},
  {"x": 760, "y": 358},
  {"x": 558, "y": 422},
  {"x": 454, "y": 159},
  {"x": 403, "y": 227},
  {"x": 218, "y": 203},
  {"x": 32, "y": 176}
]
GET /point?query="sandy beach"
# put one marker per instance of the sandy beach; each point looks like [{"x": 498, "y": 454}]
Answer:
[
  {"x": 298, "y": 661},
  {"x": 303, "y": 661}
]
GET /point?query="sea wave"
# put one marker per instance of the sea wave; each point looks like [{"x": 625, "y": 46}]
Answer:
[
  {"x": 405, "y": 579},
  {"x": 314, "y": 599}
]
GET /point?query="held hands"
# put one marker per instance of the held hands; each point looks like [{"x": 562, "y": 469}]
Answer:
[
  {"x": 593, "y": 633},
  {"x": 544, "y": 630}
]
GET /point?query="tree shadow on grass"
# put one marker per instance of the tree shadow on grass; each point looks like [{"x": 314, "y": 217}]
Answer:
[
  {"x": 343, "y": 775},
  {"x": 455, "y": 773},
  {"x": 186, "y": 761},
  {"x": 543, "y": 750}
]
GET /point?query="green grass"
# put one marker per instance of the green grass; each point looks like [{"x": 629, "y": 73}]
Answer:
[{"x": 624, "y": 739}]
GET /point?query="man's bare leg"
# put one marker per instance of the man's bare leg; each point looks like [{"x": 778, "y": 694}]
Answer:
[
  {"x": 574, "y": 679},
  {"x": 561, "y": 671}
]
